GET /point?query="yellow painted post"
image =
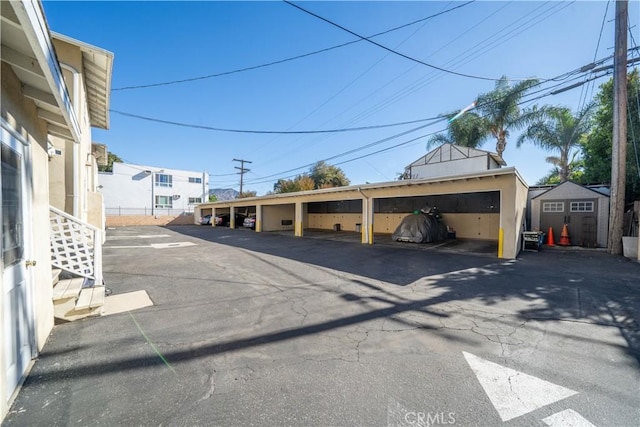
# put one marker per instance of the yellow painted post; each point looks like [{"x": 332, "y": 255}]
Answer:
[
  {"x": 371, "y": 234},
  {"x": 258, "y": 226},
  {"x": 500, "y": 242}
]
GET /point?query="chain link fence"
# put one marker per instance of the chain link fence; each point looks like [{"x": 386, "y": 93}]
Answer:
[{"x": 146, "y": 211}]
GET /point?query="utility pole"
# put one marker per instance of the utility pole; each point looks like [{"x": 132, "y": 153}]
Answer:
[
  {"x": 243, "y": 170},
  {"x": 619, "y": 143}
]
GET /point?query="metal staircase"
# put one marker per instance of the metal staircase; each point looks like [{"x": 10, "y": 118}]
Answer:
[{"x": 76, "y": 250}]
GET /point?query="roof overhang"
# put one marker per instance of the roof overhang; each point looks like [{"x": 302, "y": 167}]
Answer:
[
  {"x": 498, "y": 159},
  {"x": 97, "y": 65},
  {"x": 492, "y": 173},
  {"x": 27, "y": 48}
]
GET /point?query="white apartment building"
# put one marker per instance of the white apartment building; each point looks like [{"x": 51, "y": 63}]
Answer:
[{"x": 148, "y": 190}]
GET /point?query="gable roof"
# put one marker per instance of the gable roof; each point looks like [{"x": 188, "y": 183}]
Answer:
[
  {"x": 558, "y": 188},
  {"x": 97, "y": 65},
  {"x": 448, "y": 152}
]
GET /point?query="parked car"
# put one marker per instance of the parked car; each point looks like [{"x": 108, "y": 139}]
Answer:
[
  {"x": 205, "y": 220},
  {"x": 223, "y": 219},
  {"x": 250, "y": 222}
]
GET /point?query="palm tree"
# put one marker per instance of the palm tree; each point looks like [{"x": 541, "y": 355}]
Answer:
[
  {"x": 466, "y": 131},
  {"x": 560, "y": 131},
  {"x": 501, "y": 113}
]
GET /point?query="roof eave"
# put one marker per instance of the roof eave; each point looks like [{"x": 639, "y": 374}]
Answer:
[{"x": 98, "y": 109}]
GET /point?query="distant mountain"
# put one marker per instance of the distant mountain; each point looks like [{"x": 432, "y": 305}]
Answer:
[{"x": 224, "y": 193}]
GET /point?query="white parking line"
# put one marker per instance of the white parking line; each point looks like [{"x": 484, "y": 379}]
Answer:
[
  {"x": 156, "y": 246},
  {"x": 142, "y": 236},
  {"x": 567, "y": 418}
]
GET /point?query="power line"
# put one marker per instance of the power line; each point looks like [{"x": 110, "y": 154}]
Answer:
[
  {"x": 363, "y": 147},
  {"x": 431, "y": 77},
  {"x": 280, "y": 132},
  {"x": 293, "y": 58},
  {"x": 279, "y": 175},
  {"x": 335, "y": 95},
  {"x": 435, "y": 67}
]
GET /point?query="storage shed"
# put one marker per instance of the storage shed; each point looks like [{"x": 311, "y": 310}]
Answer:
[{"x": 585, "y": 210}]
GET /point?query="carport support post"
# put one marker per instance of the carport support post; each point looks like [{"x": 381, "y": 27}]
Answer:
[
  {"x": 367, "y": 219},
  {"x": 258, "y": 218},
  {"x": 232, "y": 217},
  {"x": 213, "y": 217},
  {"x": 298, "y": 220}
]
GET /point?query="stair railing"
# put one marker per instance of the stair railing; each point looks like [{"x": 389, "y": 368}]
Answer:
[{"x": 76, "y": 247}]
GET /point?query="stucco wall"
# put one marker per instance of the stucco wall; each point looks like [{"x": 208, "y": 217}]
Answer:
[
  {"x": 130, "y": 190},
  {"x": 467, "y": 226},
  {"x": 133, "y": 220},
  {"x": 272, "y": 217},
  {"x": 458, "y": 166},
  {"x": 347, "y": 221},
  {"x": 21, "y": 115}
]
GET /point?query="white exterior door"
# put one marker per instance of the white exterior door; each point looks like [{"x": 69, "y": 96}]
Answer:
[{"x": 18, "y": 333}]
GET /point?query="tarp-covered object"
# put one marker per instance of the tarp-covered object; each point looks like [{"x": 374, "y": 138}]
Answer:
[{"x": 420, "y": 228}]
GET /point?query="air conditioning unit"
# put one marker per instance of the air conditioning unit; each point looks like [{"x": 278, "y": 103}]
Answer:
[
  {"x": 176, "y": 196},
  {"x": 99, "y": 151}
]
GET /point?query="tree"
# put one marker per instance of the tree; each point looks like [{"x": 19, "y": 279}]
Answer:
[
  {"x": 246, "y": 194},
  {"x": 326, "y": 176},
  {"x": 576, "y": 173},
  {"x": 300, "y": 183},
  {"x": 467, "y": 130},
  {"x": 321, "y": 175},
  {"x": 596, "y": 148},
  {"x": 501, "y": 113},
  {"x": 561, "y": 131},
  {"x": 111, "y": 158},
  {"x": 213, "y": 198}
]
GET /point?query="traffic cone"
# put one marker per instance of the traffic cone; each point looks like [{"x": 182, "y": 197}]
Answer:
[
  {"x": 564, "y": 236},
  {"x": 550, "y": 239}
]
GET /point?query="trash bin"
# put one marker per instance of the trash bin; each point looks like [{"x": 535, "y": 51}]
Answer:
[
  {"x": 336, "y": 227},
  {"x": 358, "y": 228}
]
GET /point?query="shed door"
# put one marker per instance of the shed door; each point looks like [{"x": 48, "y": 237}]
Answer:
[
  {"x": 553, "y": 214},
  {"x": 580, "y": 215},
  {"x": 583, "y": 230},
  {"x": 18, "y": 338}
]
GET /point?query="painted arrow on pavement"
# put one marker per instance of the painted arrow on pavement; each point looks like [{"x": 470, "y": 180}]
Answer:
[{"x": 514, "y": 393}]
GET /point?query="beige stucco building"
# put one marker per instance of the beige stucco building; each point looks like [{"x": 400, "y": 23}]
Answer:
[
  {"x": 54, "y": 89},
  {"x": 488, "y": 205}
]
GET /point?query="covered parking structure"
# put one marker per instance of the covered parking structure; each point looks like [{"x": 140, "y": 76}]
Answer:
[{"x": 488, "y": 205}]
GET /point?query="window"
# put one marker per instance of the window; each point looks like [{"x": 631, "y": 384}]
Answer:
[
  {"x": 553, "y": 207},
  {"x": 163, "y": 180},
  {"x": 12, "y": 227},
  {"x": 164, "y": 202},
  {"x": 193, "y": 180},
  {"x": 581, "y": 206},
  {"x": 195, "y": 200}
]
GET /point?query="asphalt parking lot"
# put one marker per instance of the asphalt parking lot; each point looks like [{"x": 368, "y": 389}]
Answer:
[{"x": 267, "y": 329}]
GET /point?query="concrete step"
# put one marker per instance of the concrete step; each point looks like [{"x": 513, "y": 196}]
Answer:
[
  {"x": 67, "y": 288},
  {"x": 90, "y": 298},
  {"x": 55, "y": 275},
  {"x": 89, "y": 303}
]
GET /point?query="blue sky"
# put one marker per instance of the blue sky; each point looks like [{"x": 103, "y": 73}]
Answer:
[{"x": 358, "y": 85}]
